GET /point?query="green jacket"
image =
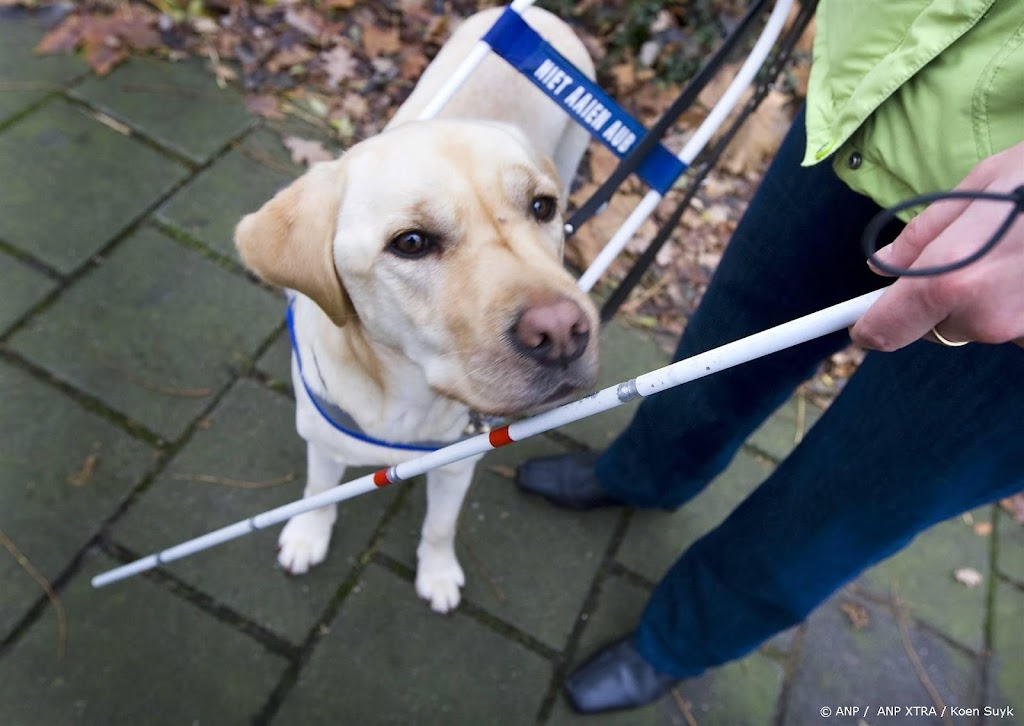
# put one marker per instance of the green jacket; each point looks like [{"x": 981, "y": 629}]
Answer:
[{"x": 907, "y": 96}]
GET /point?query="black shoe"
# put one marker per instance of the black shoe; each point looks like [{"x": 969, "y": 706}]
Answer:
[
  {"x": 615, "y": 678},
  {"x": 567, "y": 480}
]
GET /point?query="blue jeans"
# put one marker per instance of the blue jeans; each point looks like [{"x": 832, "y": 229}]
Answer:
[{"x": 916, "y": 436}]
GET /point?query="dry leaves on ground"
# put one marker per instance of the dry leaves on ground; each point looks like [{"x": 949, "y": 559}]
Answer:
[{"x": 105, "y": 40}]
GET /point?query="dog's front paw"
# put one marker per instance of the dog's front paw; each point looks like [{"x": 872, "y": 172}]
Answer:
[
  {"x": 304, "y": 540},
  {"x": 438, "y": 581}
]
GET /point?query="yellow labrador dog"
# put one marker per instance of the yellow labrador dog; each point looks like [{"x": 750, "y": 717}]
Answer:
[{"x": 427, "y": 281}]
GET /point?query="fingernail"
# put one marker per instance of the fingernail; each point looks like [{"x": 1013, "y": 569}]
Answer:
[{"x": 884, "y": 253}]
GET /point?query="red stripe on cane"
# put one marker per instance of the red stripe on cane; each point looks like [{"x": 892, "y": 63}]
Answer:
[
  {"x": 380, "y": 478},
  {"x": 500, "y": 437}
]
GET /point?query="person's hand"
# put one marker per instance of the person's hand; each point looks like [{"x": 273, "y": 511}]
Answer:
[{"x": 983, "y": 302}]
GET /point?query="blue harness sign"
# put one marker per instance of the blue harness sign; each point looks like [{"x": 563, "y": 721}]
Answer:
[{"x": 519, "y": 44}]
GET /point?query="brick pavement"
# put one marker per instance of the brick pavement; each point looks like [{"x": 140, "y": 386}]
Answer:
[{"x": 139, "y": 366}]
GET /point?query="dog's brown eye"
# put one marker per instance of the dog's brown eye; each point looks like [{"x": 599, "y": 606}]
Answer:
[
  {"x": 412, "y": 244},
  {"x": 544, "y": 208}
]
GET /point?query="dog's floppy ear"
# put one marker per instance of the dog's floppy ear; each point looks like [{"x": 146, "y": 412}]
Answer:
[{"x": 289, "y": 242}]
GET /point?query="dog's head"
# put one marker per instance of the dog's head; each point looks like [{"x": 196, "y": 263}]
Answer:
[{"x": 442, "y": 239}]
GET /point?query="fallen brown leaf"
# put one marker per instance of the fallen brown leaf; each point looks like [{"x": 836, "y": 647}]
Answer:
[
  {"x": 602, "y": 163},
  {"x": 102, "y": 58},
  {"x": 305, "y": 20},
  {"x": 265, "y": 105},
  {"x": 624, "y": 75},
  {"x": 411, "y": 64},
  {"x": 137, "y": 28},
  {"x": 104, "y": 39},
  {"x": 437, "y": 29},
  {"x": 81, "y": 477},
  {"x": 380, "y": 41},
  {"x": 289, "y": 57},
  {"x": 63, "y": 38},
  {"x": 338, "y": 64},
  {"x": 857, "y": 614},
  {"x": 306, "y": 151},
  {"x": 353, "y": 106}
]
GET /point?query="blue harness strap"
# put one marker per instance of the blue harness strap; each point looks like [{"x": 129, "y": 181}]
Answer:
[
  {"x": 519, "y": 44},
  {"x": 340, "y": 419}
]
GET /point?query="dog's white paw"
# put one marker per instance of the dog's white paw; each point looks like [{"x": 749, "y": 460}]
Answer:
[
  {"x": 438, "y": 581},
  {"x": 304, "y": 540}
]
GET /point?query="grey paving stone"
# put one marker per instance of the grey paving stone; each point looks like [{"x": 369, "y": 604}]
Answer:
[
  {"x": 63, "y": 471},
  {"x": 527, "y": 562},
  {"x": 1010, "y": 534},
  {"x": 777, "y": 436},
  {"x": 136, "y": 654},
  {"x": 276, "y": 363},
  {"x": 656, "y": 539},
  {"x": 27, "y": 76},
  {"x": 625, "y": 353},
  {"x": 227, "y": 473},
  {"x": 619, "y": 606},
  {"x": 153, "y": 332},
  {"x": 71, "y": 183},
  {"x": 869, "y": 668},
  {"x": 177, "y": 104},
  {"x": 743, "y": 692},
  {"x": 23, "y": 287},
  {"x": 388, "y": 659},
  {"x": 922, "y": 577},
  {"x": 1006, "y": 669},
  {"x": 210, "y": 206}
]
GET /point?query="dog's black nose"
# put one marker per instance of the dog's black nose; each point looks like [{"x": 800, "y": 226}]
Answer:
[{"x": 552, "y": 333}]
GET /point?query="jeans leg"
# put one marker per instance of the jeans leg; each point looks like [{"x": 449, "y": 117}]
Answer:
[
  {"x": 796, "y": 250},
  {"x": 917, "y": 436}
]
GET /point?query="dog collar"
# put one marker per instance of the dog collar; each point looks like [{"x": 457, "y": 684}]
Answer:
[{"x": 343, "y": 421}]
